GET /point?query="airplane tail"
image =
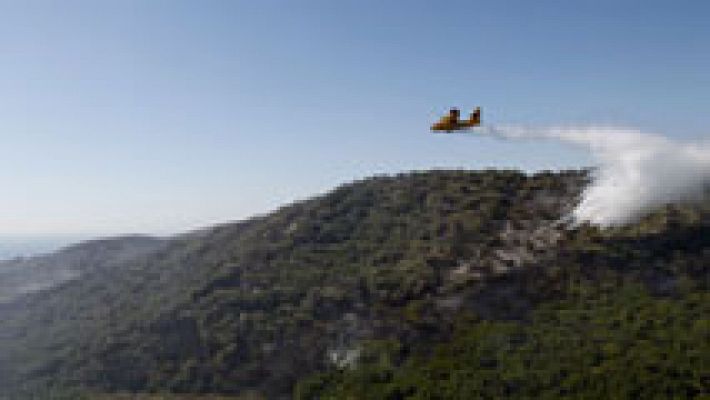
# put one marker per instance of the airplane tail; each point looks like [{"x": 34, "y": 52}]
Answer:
[{"x": 475, "y": 116}]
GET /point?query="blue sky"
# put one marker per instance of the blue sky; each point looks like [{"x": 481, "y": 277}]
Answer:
[{"x": 161, "y": 116}]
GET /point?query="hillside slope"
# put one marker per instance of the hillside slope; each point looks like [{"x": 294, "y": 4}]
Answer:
[
  {"x": 380, "y": 269},
  {"x": 21, "y": 276}
]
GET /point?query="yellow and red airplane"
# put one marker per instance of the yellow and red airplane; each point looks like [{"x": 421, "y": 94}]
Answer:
[{"x": 451, "y": 122}]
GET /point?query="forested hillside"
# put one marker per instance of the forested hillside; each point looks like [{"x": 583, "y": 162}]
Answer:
[
  {"x": 441, "y": 284},
  {"x": 23, "y": 275}
]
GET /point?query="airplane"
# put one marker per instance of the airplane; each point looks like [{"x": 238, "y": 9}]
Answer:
[{"x": 449, "y": 123}]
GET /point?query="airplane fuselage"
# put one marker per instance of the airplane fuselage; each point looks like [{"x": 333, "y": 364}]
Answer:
[{"x": 451, "y": 122}]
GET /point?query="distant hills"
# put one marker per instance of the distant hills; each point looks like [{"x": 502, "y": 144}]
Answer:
[
  {"x": 26, "y": 246},
  {"x": 23, "y": 275},
  {"x": 440, "y": 284}
]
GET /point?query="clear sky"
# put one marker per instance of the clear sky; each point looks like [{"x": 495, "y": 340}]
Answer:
[{"x": 161, "y": 116}]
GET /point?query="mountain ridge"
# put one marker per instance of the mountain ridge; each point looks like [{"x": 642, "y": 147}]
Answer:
[{"x": 262, "y": 304}]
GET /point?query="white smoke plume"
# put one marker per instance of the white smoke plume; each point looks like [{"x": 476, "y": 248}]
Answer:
[{"x": 636, "y": 172}]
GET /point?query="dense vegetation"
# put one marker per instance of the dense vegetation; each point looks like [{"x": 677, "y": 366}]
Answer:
[
  {"x": 444, "y": 284},
  {"x": 624, "y": 345}
]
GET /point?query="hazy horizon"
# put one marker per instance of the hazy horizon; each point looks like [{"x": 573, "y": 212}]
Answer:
[{"x": 27, "y": 246}]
